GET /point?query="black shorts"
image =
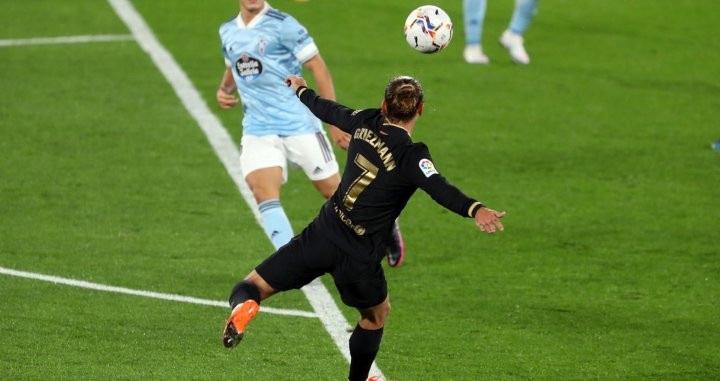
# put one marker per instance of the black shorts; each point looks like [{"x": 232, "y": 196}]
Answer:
[{"x": 311, "y": 254}]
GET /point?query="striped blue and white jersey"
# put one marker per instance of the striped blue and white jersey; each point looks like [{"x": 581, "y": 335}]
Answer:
[{"x": 261, "y": 55}]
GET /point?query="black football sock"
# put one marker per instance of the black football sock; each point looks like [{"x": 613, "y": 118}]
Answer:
[
  {"x": 243, "y": 291},
  {"x": 364, "y": 345}
]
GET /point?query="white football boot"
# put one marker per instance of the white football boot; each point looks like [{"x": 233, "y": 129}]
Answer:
[
  {"x": 514, "y": 44},
  {"x": 474, "y": 54}
]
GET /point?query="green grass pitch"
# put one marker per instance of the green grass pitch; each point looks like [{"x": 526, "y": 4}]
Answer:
[{"x": 609, "y": 267}]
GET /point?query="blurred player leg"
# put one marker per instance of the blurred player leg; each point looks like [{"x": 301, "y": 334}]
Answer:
[
  {"x": 525, "y": 10},
  {"x": 512, "y": 38},
  {"x": 395, "y": 246},
  {"x": 474, "y": 16}
]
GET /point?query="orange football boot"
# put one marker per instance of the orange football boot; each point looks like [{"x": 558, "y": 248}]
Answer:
[{"x": 239, "y": 318}]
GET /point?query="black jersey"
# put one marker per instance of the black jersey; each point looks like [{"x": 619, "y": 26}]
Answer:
[{"x": 383, "y": 169}]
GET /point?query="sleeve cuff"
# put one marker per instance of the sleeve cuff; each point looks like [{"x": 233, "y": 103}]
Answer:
[
  {"x": 309, "y": 51},
  {"x": 300, "y": 91},
  {"x": 474, "y": 208}
]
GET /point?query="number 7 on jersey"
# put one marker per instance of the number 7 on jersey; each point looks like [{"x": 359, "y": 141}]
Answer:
[{"x": 369, "y": 171}]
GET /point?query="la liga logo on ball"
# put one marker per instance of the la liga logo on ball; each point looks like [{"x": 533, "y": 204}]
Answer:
[{"x": 428, "y": 29}]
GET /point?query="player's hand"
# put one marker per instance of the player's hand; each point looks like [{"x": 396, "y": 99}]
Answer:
[
  {"x": 339, "y": 137},
  {"x": 294, "y": 81},
  {"x": 488, "y": 220},
  {"x": 226, "y": 100}
]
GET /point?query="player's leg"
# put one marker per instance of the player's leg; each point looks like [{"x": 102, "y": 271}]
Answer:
[
  {"x": 512, "y": 38},
  {"x": 473, "y": 17},
  {"x": 265, "y": 184},
  {"x": 365, "y": 339},
  {"x": 294, "y": 265},
  {"x": 327, "y": 186},
  {"x": 253, "y": 287},
  {"x": 361, "y": 284},
  {"x": 263, "y": 162},
  {"x": 244, "y": 301},
  {"x": 522, "y": 16}
]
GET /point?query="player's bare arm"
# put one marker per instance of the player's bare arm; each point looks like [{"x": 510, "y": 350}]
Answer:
[
  {"x": 325, "y": 88},
  {"x": 224, "y": 94}
]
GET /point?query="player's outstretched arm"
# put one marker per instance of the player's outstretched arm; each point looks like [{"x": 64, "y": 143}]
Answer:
[
  {"x": 224, "y": 94},
  {"x": 427, "y": 178},
  {"x": 452, "y": 198},
  {"x": 326, "y": 110},
  {"x": 488, "y": 220},
  {"x": 326, "y": 89}
]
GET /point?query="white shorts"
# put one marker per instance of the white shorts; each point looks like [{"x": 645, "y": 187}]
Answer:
[{"x": 312, "y": 152}]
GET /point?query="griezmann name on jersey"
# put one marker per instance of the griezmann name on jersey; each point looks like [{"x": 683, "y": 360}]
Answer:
[{"x": 383, "y": 170}]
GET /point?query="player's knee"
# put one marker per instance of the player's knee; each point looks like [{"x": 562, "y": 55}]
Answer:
[
  {"x": 375, "y": 317},
  {"x": 385, "y": 311},
  {"x": 264, "y": 192},
  {"x": 327, "y": 192},
  {"x": 328, "y": 186},
  {"x": 265, "y": 183}
]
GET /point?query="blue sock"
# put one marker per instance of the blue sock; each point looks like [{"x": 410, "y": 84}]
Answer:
[
  {"x": 275, "y": 222},
  {"x": 474, "y": 16},
  {"x": 523, "y": 14}
]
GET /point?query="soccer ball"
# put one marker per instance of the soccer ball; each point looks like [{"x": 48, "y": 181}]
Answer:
[{"x": 428, "y": 29}]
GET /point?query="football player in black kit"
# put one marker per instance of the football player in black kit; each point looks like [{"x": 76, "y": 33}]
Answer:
[{"x": 384, "y": 168}]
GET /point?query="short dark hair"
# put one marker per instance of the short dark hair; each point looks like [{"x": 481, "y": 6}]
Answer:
[{"x": 403, "y": 96}]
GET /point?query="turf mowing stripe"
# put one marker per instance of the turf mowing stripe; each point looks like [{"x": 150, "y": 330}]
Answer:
[
  {"x": 143, "y": 293},
  {"x": 66, "y": 39},
  {"x": 220, "y": 140}
]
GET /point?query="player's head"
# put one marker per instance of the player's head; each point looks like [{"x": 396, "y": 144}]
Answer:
[
  {"x": 403, "y": 99},
  {"x": 252, "y": 5}
]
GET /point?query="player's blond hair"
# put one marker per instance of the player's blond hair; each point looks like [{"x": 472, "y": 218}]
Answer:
[{"x": 403, "y": 97}]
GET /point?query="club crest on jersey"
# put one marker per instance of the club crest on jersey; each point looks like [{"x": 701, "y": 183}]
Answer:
[
  {"x": 261, "y": 46},
  {"x": 427, "y": 167},
  {"x": 248, "y": 68}
]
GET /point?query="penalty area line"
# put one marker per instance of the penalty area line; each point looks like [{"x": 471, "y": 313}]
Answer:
[
  {"x": 66, "y": 39},
  {"x": 143, "y": 293}
]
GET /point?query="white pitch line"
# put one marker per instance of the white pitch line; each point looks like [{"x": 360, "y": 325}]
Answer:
[
  {"x": 143, "y": 293},
  {"x": 322, "y": 302},
  {"x": 66, "y": 39},
  {"x": 216, "y": 134}
]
